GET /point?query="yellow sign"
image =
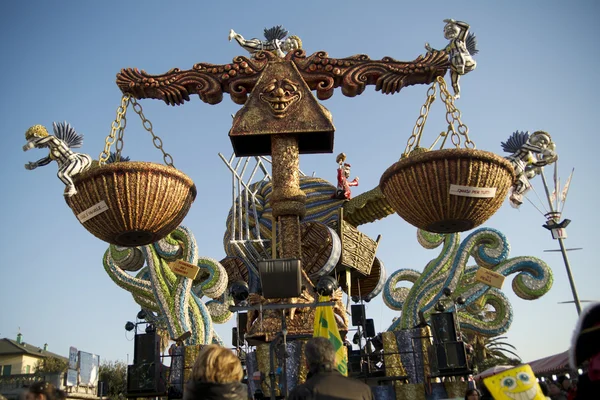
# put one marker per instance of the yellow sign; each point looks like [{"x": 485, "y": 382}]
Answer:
[
  {"x": 515, "y": 383},
  {"x": 489, "y": 277},
  {"x": 184, "y": 268}
]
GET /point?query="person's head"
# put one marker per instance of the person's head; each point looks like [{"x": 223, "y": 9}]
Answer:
[
  {"x": 292, "y": 43},
  {"x": 553, "y": 388},
  {"x": 44, "y": 391},
  {"x": 216, "y": 364},
  {"x": 472, "y": 394},
  {"x": 585, "y": 344},
  {"x": 451, "y": 30},
  {"x": 544, "y": 387},
  {"x": 565, "y": 383},
  {"x": 320, "y": 353},
  {"x": 347, "y": 170}
]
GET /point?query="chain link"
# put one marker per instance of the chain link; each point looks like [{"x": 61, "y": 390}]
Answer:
[
  {"x": 456, "y": 128},
  {"x": 116, "y": 130},
  {"x": 452, "y": 117},
  {"x": 415, "y": 138},
  {"x": 167, "y": 158},
  {"x": 119, "y": 143}
]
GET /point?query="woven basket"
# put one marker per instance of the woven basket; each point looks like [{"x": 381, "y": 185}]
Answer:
[
  {"x": 418, "y": 188},
  {"x": 145, "y": 201}
]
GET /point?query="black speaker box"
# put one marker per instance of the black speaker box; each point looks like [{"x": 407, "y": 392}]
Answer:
[
  {"x": 358, "y": 314},
  {"x": 144, "y": 379},
  {"x": 451, "y": 356},
  {"x": 280, "y": 278},
  {"x": 146, "y": 348},
  {"x": 370, "y": 328},
  {"x": 444, "y": 327}
]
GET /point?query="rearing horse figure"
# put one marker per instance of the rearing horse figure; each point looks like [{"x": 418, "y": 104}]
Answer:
[{"x": 69, "y": 162}]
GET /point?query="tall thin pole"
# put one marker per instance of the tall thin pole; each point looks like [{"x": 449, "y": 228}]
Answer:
[
  {"x": 554, "y": 216},
  {"x": 571, "y": 280}
]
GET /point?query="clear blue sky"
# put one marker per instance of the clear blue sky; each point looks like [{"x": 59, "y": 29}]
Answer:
[{"x": 536, "y": 71}]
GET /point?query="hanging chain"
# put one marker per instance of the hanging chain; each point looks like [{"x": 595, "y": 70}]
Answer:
[
  {"x": 116, "y": 131},
  {"x": 415, "y": 138},
  {"x": 119, "y": 143},
  {"x": 452, "y": 117},
  {"x": 456, "y": 129},
  {"x": 155, "y": 139}
]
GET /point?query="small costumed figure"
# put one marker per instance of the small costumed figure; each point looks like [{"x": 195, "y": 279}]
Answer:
[
  {"x": 343, "y": 174},
  {"x": 461, "y": 49},
  {"x": 276, "y": 41},
  {"x": 529, "y": 155},
  {"x": 65, "y": 138}
]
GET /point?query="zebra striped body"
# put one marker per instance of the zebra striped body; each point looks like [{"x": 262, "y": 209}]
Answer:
[{"x": 69, "y": 162}]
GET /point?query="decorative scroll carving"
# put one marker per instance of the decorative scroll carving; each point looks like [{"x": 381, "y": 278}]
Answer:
[
  {"x": 320, "y": 72},
  {"x": 353, "y": 74}
]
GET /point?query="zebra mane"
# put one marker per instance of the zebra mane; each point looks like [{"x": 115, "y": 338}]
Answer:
[
  {"x": 275, "y": 33},
  {"x": 113, "y": 158},
  {"x": 515, "y": 142},
  {"x": 471, "y": 44},
  {"x": 67, "y": 134}
]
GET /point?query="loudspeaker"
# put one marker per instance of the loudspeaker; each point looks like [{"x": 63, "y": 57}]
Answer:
[
  {"x": 358, "y": 314},
  {"x": 144, "y": 379},
  {"x": 370, "y": 328},
  {"x": 451, "y": 356},
  {"x": 280, "y": 278},
  {"x": 242, "y": 323},
  {"x": 146, "y": 348},
  {"x": 240, "y": 330},
  {"x": 354, "y": 361},
  {"x": 444, "y": 327}
]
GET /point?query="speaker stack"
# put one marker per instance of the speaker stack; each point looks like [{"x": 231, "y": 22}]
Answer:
[
  {"x": 143, "y": 377},
  {"x": 449, "y": 349}
]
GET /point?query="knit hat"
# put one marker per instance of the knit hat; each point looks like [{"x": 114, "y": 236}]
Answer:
[{"x": 586, "y": 337}]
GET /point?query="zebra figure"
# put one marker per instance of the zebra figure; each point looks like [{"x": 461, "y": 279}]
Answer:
[
  {"x": 529, "y": 155},
  {"x": 69, "y": 162},
  {"x": 274, "y": 41}
]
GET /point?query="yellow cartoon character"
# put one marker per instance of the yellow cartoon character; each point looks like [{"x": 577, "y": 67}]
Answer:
[{"x": 515, "y": 384}]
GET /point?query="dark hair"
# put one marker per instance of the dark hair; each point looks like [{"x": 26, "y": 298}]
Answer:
[
  {"x": 320, "y": 353},
  {"x": 472, "y": 391},
  {"x": 544, "y": 387},
  {"x": 48, "y": 390}
]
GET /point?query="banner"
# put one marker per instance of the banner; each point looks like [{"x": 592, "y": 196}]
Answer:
[{"x": 325, "y": 326}]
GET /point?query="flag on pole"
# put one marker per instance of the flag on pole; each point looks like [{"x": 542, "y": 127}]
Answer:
[
  {"x": 566, "y": 188},
  {"x": 325, "y": 326}
]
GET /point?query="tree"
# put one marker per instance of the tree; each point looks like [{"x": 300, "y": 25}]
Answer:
[
  {"x": 113, "y": 374},
  {"x": 491, "y": 351},
  {"x": 50, "y": 365}
]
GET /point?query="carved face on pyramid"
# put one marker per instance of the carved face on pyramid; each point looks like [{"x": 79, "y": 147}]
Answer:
[{"x": 280, "y": 94}]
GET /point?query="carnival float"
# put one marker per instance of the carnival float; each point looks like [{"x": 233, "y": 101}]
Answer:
[{"x": 284, "y": 226}]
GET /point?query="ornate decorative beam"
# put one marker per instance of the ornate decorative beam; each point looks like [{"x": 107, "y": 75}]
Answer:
[{"x": 321, "y": 72}]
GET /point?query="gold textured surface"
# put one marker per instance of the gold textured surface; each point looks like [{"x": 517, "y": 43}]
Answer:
[
  {"x": 361, "y": 285},
  {"x": 456, "y": 389},
  {"x": 358, "y": 250},
  {"x": 317, "y": 246},
  {"x": 294, "y": 111},
  {"x": 300, "y": 321},
  {"x": 417, "y": 187},
  {"x": 141, "y": 197},
  {"x": 191, "y": 353},
  {"x": 426, "y": 343},
  {"x": 367, "y": 207},
  {"x": 264, "y": 365},
  {"x": 393, "y": 362},
  {"x": 413, "y": 391}
]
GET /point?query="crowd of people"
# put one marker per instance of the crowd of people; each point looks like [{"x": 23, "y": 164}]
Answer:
[{"x": 218, "y": 373}]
